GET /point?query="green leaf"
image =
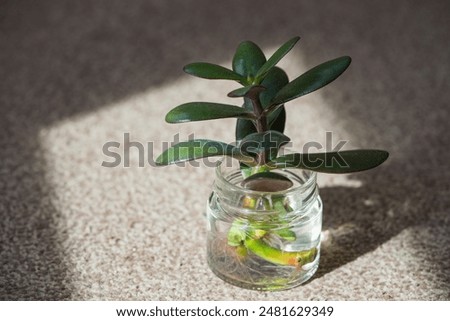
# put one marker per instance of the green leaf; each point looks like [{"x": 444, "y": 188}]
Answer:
[
  {"x": 196, "y": 111},
  {"x": 312, "y": 80},
  {"x": 199, "y": 148},
  {"x": 246, "y": 91},
  {"x": 245, "y": 127},
  {"x": 277, "y": 120},
  {"x": 269, "y": 141},
  {"x": 334, "y": 162},
  {"x": 247, "y": 60},
  {"x": 275, "y": 79},
  {"x": 276, "y": 57},
  {"x": 211, "y": 71}
]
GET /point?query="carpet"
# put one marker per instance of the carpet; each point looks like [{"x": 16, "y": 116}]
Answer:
[{"x": 76, "y": 75}]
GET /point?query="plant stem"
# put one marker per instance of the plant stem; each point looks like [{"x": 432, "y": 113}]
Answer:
[
  {"x": 258, "y": 110},
  {"x": 261, "y": 119},
  {"x": 276, "y": 256}
]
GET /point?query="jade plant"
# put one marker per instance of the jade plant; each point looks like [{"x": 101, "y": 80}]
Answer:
[{"x": 259, "y": 133}]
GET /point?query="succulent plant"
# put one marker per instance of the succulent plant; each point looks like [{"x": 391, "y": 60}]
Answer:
[
  {"x": 261, "y": 119},
  {"x": 265, "y": 89}
]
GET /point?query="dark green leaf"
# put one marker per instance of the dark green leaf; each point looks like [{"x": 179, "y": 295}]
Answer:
[
  {"x": 248, "y": 105},
  {"x": 199, "y": 148},
  {"x": 276, "y": 57},
  {"x": 248, "y": 59},
  {"x": 204, "y": 111},
  {"x": 269, "y": 142},
  {"x": 275, "y": 79},
  {"x": 246, "y": 91},
  {"x": 211, "y": 71},
  {"x": 312, "y": 80},
  {"x": 277, "y": 120},
  {"x": 334, "y": 162},
  {"x": 245, "y": 127}
]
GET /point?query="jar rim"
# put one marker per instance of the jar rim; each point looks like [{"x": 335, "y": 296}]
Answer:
[{"x": 311, "y": 180}]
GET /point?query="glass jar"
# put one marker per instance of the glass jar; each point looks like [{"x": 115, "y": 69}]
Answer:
[{"x": 263, "y": 240}]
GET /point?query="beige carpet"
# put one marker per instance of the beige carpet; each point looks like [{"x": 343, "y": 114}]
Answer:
[{"x": 77, "y": 74}]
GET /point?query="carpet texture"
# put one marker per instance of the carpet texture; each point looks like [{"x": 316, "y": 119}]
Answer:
[{"x": 78, "y": 74}]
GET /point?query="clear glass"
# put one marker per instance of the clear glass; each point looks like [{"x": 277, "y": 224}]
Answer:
[{"x": 263, "y": 240}]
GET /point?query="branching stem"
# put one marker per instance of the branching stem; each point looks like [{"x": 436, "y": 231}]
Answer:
[{"x": 261, "y": 119}]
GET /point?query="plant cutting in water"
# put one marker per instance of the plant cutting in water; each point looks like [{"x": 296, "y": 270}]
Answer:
[{"x": 259, "y": 132}]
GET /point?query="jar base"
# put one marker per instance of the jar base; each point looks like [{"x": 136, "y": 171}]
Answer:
[{"x": 268, "y": 283}]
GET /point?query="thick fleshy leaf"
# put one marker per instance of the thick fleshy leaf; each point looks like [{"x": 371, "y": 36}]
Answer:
[
  {"x": 196, "y": 111},
  {"x": 268, "y": 142},
  {"x": 211, "y": 71},
  {"x": 245, "y": 127},
  {"x": 275, "y": 79},
  {"x": 246, "y": 91},
  {"x": 312, "y": 80},
  {"x": 277, "y": 120},
  {"x": 276, "y": 57},
  {"x": 248, "y": 59},
  {"x": 334, "y": 162},
  {"x": 200, "y": 148}
]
